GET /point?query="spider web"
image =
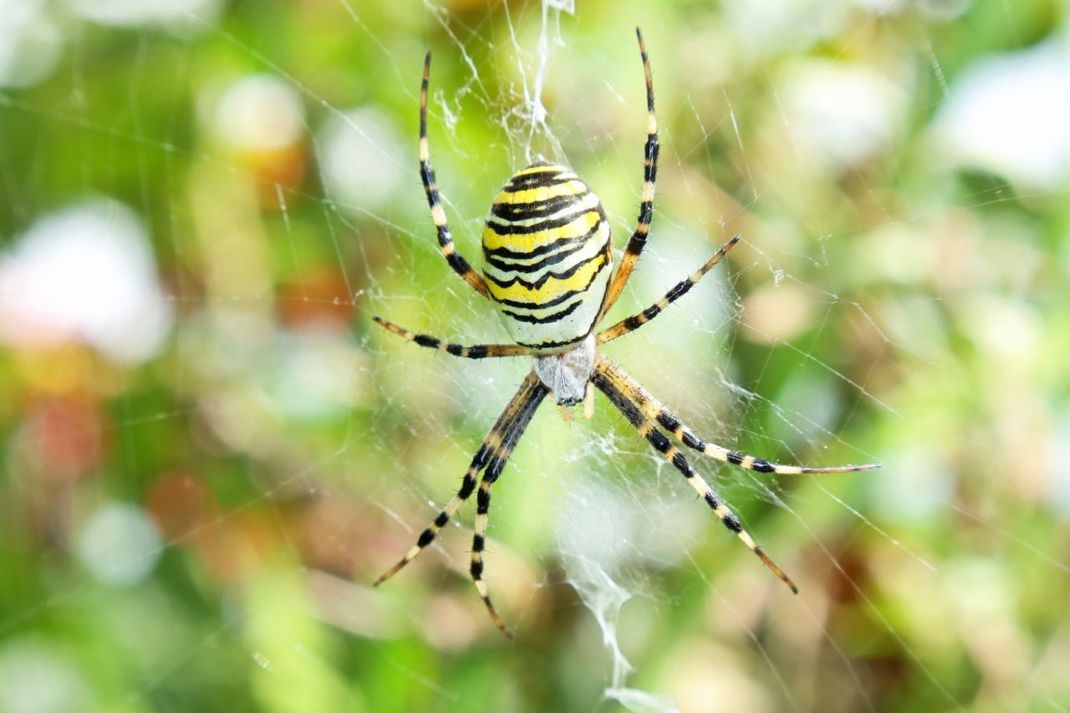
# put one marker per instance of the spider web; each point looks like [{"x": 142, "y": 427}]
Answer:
[{"x": 252, "y": 253}]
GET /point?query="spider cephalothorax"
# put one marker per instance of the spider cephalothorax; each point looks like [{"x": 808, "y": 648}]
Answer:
[{"x": 547, "y": 267}]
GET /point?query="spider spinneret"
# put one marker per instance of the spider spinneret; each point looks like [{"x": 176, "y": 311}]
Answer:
[{"x": 548, "y": 268}]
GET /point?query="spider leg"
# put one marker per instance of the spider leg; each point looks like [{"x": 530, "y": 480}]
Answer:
[
  {"x": 636, "y": 321},
  {"x": 656, "y": 411},
  {"x": 532, "y": 394},
  {"x": 491, "y": 456},
  {"x": 468, "y": 484},
  {"x": 646, "y": 206},
  {"x": 647, "y": 428},
  {"x": 477, "y": 351},
  {"x": 438, "y": 214}
]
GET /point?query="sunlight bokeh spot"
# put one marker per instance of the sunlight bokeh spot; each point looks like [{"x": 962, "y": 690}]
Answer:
[
  {"x": 86, "y": 273},
  {"x": 259, "y": 112},
  {"x": 29, "y": 43},
  {"x": 119, "y": 544},
  {"x": 39, "y": 677},
  {"x": 841, "y": 113},
  {"x": 1023, "y": 98},
  {"x": 362, "y": 158},
  {"x": 176, "y": 14}
]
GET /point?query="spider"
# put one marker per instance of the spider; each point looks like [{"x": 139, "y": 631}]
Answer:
[{"x": 548, "y": 270}]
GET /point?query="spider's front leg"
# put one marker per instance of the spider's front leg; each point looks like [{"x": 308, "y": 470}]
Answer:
[
  {"x": 438, "y": 214},
  {"x": 646, "y": 205}
]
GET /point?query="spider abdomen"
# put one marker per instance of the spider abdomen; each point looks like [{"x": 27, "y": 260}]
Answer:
[{"x": 547, "y": 257}]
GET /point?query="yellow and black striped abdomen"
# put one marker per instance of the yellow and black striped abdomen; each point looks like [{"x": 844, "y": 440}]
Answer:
[{"x": 547, "y": 256}]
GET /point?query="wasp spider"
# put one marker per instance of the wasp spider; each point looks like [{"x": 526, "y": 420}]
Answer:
[{"x": 547, "y": 267}]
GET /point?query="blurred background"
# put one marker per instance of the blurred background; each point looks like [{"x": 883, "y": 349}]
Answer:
[{"x": 209, "y": 450}]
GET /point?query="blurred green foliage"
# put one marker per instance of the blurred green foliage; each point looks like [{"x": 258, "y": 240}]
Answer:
[{"x": 193, "y": 526}]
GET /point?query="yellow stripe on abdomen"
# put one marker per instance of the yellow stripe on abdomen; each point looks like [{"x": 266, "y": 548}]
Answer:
[
  {"x": 535, "y": 195},
  {"x": 525, "y": 242},
  {"x": 552, "y": 288}
]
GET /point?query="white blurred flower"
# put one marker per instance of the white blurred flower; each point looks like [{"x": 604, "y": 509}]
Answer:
[
  {"x": 1061, "y": 470},
  {"x": 36, "y": 677},
  {"x": 359, "y": 158},
  {"x": 316, "y": 373},
  {"x": 940, "y": 10},
  {"x": 29, "y": 43},
  {"x": 765, "y": 28},
  {"x": 131, "y": 13},
  {"x": 914, "y": 486},
  {"x": 259, "y": 112},
  {"x": 86, "y": 273},
  {"x": 841, "y": 113},
  {"x": 1004, "y": 328},
  {"x": 119, "y": 544},
  {"x": 1010, "y": 114}
]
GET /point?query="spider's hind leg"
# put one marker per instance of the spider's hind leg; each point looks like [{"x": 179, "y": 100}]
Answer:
[
  {"x": 654, "y": 410},
  {"x": 523, "y": 408},
  {"x": 647, "y": 428},
  {"x": 490, "y": 458},
  {"x": 429, "y": 534}
]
